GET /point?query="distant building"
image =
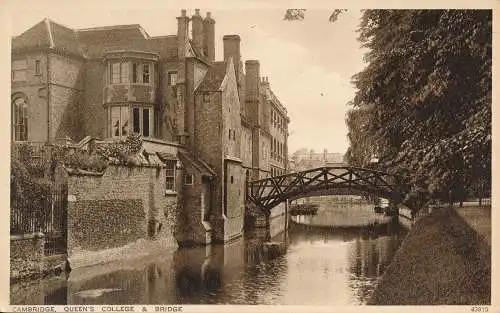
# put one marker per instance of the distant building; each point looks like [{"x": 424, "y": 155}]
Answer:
[
  {"x": 306, "y": 159},
  {"x": 219, "y": 120}
]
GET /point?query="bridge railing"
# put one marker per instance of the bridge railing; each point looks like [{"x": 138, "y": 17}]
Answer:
[{"x": 270, "y": 191}]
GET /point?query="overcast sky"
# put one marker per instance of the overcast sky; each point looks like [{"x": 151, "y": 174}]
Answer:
[{"x": 309, "y": 63}]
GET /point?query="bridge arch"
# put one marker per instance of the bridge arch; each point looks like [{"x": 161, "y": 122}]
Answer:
[{"x": 339, "y": 180}]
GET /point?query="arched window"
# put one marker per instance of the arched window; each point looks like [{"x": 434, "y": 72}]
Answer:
[{"x": 20, "y": 115}]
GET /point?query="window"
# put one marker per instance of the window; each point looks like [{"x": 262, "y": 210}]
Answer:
[
  {"x": 119, "y": 121},
  {"x": 170, "y": 176},
  {"x": 136, "y": 120},
  {"x": 172, "y": 79},
  {"x": 38, "y": 69},
  {"x": 135, "y": 72},
  {"x": 20, "y": 113},
  {"x": 188, "y": 179},
  {"x": 141, "y": 121},
  {"x": 229, "y": 134},
  {"x": 119, "y": 72},
  {"x": 145, "y": 122},
  {"x": 124, "y": 72},
  {"x": 145, "y": 73},
  {"x": 232, "y": 179},
  {"x": 19, "y": 70},
  {"x": 114, "y": 74}
]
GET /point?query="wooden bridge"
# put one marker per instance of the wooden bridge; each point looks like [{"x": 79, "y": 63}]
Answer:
[{"x": 339, "y": 180}]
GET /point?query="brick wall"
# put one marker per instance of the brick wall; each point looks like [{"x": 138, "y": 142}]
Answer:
[
  {"x": 168, "y": 96},
  {"x": 124, "y": 204},
  {"x": 35, "y": 91},
  {"x": 209, "y": 142},
  {"x": 246, "y": 147},
  {"x": 65, "y": 113},
  {"x": 231, "y": 114},
  {"x": 94, "y": 115},
  {"x": 66, "y": 82}
]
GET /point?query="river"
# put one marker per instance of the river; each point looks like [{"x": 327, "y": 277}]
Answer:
[{"x": 317, "y": 265}]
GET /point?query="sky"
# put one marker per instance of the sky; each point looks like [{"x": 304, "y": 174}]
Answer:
[{"x": 309, "y": 63}]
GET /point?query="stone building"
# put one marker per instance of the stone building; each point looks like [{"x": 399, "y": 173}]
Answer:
[{"x": 217, "y": 123}]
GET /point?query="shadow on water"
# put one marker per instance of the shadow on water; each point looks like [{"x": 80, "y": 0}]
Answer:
[{"x": 338, "y": 266}]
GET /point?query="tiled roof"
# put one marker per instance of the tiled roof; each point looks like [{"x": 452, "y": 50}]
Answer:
[
  {"x": 35, "y": 37},
  {"x": 201, "y": 166},
  {"x": 214, "y": 77},
  {"x": 94, "y": 42},
  {"x": 65, "y": 38}
]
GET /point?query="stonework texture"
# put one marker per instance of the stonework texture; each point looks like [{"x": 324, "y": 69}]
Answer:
[
  {"x": 26, "y": 256},
  {"x": 119, "y": 207}
]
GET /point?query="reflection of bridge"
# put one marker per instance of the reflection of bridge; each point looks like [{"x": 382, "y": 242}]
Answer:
[{"x": 338, "y": 180}]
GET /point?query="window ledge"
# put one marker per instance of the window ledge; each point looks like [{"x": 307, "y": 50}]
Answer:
[{"x": 170, "y": 193}]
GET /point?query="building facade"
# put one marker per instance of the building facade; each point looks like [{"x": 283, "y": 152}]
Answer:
[{"x": 217, "y": 122}]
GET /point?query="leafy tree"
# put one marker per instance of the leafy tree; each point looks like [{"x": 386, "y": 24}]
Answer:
[{"x": 427, "y": 96}]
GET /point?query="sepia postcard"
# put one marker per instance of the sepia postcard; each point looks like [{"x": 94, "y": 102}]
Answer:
[{"x": 292, "y": 156}]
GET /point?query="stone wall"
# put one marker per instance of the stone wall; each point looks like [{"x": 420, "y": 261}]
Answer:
[
  {"x": 194, "y": 203},
  {"x": 121, "y": 207},
  {"x": 234, "y": 200}
]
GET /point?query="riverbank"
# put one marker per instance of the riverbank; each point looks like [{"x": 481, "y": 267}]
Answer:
[{"x": 442, "y": 261}]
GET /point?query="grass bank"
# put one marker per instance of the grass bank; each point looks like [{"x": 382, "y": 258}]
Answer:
[{"x": 442, "y": 261}]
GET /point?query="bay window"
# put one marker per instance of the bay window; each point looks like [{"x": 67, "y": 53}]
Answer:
[
  {"x": 119, "y": 121},
  {"x": 124, "y": 72},
  {"x": 142, "y": 121},
  {"x": 145, "y": 73}
]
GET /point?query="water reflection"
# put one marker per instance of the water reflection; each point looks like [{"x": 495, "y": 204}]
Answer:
[{"x": 319, "y": 266}]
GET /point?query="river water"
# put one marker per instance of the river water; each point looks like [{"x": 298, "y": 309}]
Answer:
[{"x": 309, "y": 264}]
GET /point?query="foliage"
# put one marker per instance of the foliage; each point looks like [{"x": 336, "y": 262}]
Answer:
[
  {"x": 28, "y": 184},
  {"x": 335, "y": 15},
  {"x": 96, "y": 161},
  {"x": 299, "y": 14},
  {"x": 425, "y": 96},
  {"x": 294, "y": 14}
]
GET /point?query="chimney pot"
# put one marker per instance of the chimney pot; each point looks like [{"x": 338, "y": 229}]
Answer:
[
  {"x": 209, "y": 15},
  {"x": 183, "y": 12},
  {"x": 197, "y": 11}
]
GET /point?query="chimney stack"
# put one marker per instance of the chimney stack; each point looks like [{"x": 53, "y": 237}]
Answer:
[
  {"x": 197, "y": 31},
  {"x": 209, "y": 37},
  {"x": 232, "y": 50},
  {"x": 252, "y": 82},
  {"x": 182, "y": 34}
]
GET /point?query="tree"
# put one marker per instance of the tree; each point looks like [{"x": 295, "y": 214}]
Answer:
[{"x": 427, "y": 95}]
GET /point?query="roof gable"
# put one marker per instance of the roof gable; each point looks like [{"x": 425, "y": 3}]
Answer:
[
  {"x": 48, "y": 34},
  {"x": 214, "y": 77},
  {"x": 37, "y": 36}
]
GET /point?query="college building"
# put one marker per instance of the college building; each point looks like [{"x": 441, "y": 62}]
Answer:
[{"x": 217, "y": 121}]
